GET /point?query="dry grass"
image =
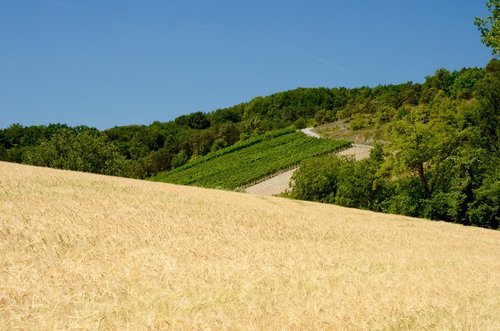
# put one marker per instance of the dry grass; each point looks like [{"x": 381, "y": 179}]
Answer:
[
  {"x": 80, "y": 251},
  {"x": 359, "y": 152},
  {"x": 340, "y": 131}
]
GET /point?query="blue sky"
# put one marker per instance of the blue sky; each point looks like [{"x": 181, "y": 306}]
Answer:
[{"x": 103, "y": 63}]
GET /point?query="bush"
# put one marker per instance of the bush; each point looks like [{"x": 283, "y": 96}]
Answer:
[
  {"x": 299, "y": 123},
  {"x": 358, "y": 122},
  {"x": 180, "y": 159}
]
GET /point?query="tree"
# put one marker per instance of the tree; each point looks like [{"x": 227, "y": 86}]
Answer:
[
  {"x": 485, "y": 210},
  {"x": 317, "y": 179},
  {"x": 88, "y": 151},
  {"x": 356, "y": 181},
  {"x": 179, "y": 159},
  {"x": 219, "y": 143},
  {"x": 197, "y": 120},
  {"x": 427, "y": 140},
  {"x": 489, "y": 110},
  {"x": 489, "y": 27}
]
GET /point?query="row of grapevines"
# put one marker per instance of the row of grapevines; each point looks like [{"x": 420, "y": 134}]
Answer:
[
  {"x": 239, "y": 145},
  {"x": 234, "y": 169}
]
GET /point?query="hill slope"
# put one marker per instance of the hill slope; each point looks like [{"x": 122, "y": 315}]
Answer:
[
  {"x": 250, "y": 160},
  {"x": 87, "y": 251},
  {"x": 280, "y": 183}
]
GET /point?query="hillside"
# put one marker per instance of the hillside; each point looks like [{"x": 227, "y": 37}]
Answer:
[
  {"x": 87, "y": 251},
  {"x": 250, "y": 160},
  {"x": 279, "y": 183},
  {"x": 436, "y": 146},
  {"x": 141, "y": 151}
]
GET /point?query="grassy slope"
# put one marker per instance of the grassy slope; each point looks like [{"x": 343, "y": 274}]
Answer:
[
  {"x": 246, "y": 162},
  {"x": 87, "y": 251},
  {"x": 340, "y": 130}
]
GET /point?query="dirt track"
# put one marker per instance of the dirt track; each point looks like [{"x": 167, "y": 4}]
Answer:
[
  {"x": 274, "y": 185},
  {"x": 359, "y": 152},
  {"x": 280, "y": 183}
]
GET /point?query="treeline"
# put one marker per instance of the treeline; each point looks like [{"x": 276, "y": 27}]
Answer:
[
  {"x": 441, "y": 160},
  {"x": 143, "y": 150}
]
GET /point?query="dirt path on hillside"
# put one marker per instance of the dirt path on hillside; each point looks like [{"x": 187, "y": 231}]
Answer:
[
  {"x": 274, "y": 185},
  {"x": 359, "y": 152},
  {"x": 280, "y": 183},
  {"x": 310, "y": 133}
]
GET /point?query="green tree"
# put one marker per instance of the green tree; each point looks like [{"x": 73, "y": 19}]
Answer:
[
  {"x": 341, "y": 180},
  {"x": 488, "y": 117},
  {"x": 356, "y": 184},
  {"x": 219, "y": 143},
  {"x": 179, "y": 159},
  {"x": 485, "y": 209},
  {"x": 88, "y": 151},
  {"x": 489, "y": 27},
  {"x": 317, "y": 179},
  {"x": 423, "y": 141},
  {"x": 197, "y": 120}
]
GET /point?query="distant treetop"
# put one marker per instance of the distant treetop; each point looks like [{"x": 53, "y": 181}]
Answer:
[{"x": 490, "y": 27}]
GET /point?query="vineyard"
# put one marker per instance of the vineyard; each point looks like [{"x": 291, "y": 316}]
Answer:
[{"x": 240, "y": 164}]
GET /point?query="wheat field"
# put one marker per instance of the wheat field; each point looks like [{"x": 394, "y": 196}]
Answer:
[{"x": 82, "y": 251}]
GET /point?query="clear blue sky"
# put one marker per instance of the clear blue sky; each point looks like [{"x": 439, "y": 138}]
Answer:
[{"x": 103, "y": 63}]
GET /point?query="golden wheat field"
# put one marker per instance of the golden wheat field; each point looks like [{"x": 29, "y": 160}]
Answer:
[{"x": 82, "y": 251}]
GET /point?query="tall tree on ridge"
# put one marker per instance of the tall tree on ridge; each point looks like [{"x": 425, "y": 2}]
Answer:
[{"x": 490, "y": 27}]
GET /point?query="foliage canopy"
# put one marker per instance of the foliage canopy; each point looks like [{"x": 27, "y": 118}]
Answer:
[{"x": 489, "y": 27}]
